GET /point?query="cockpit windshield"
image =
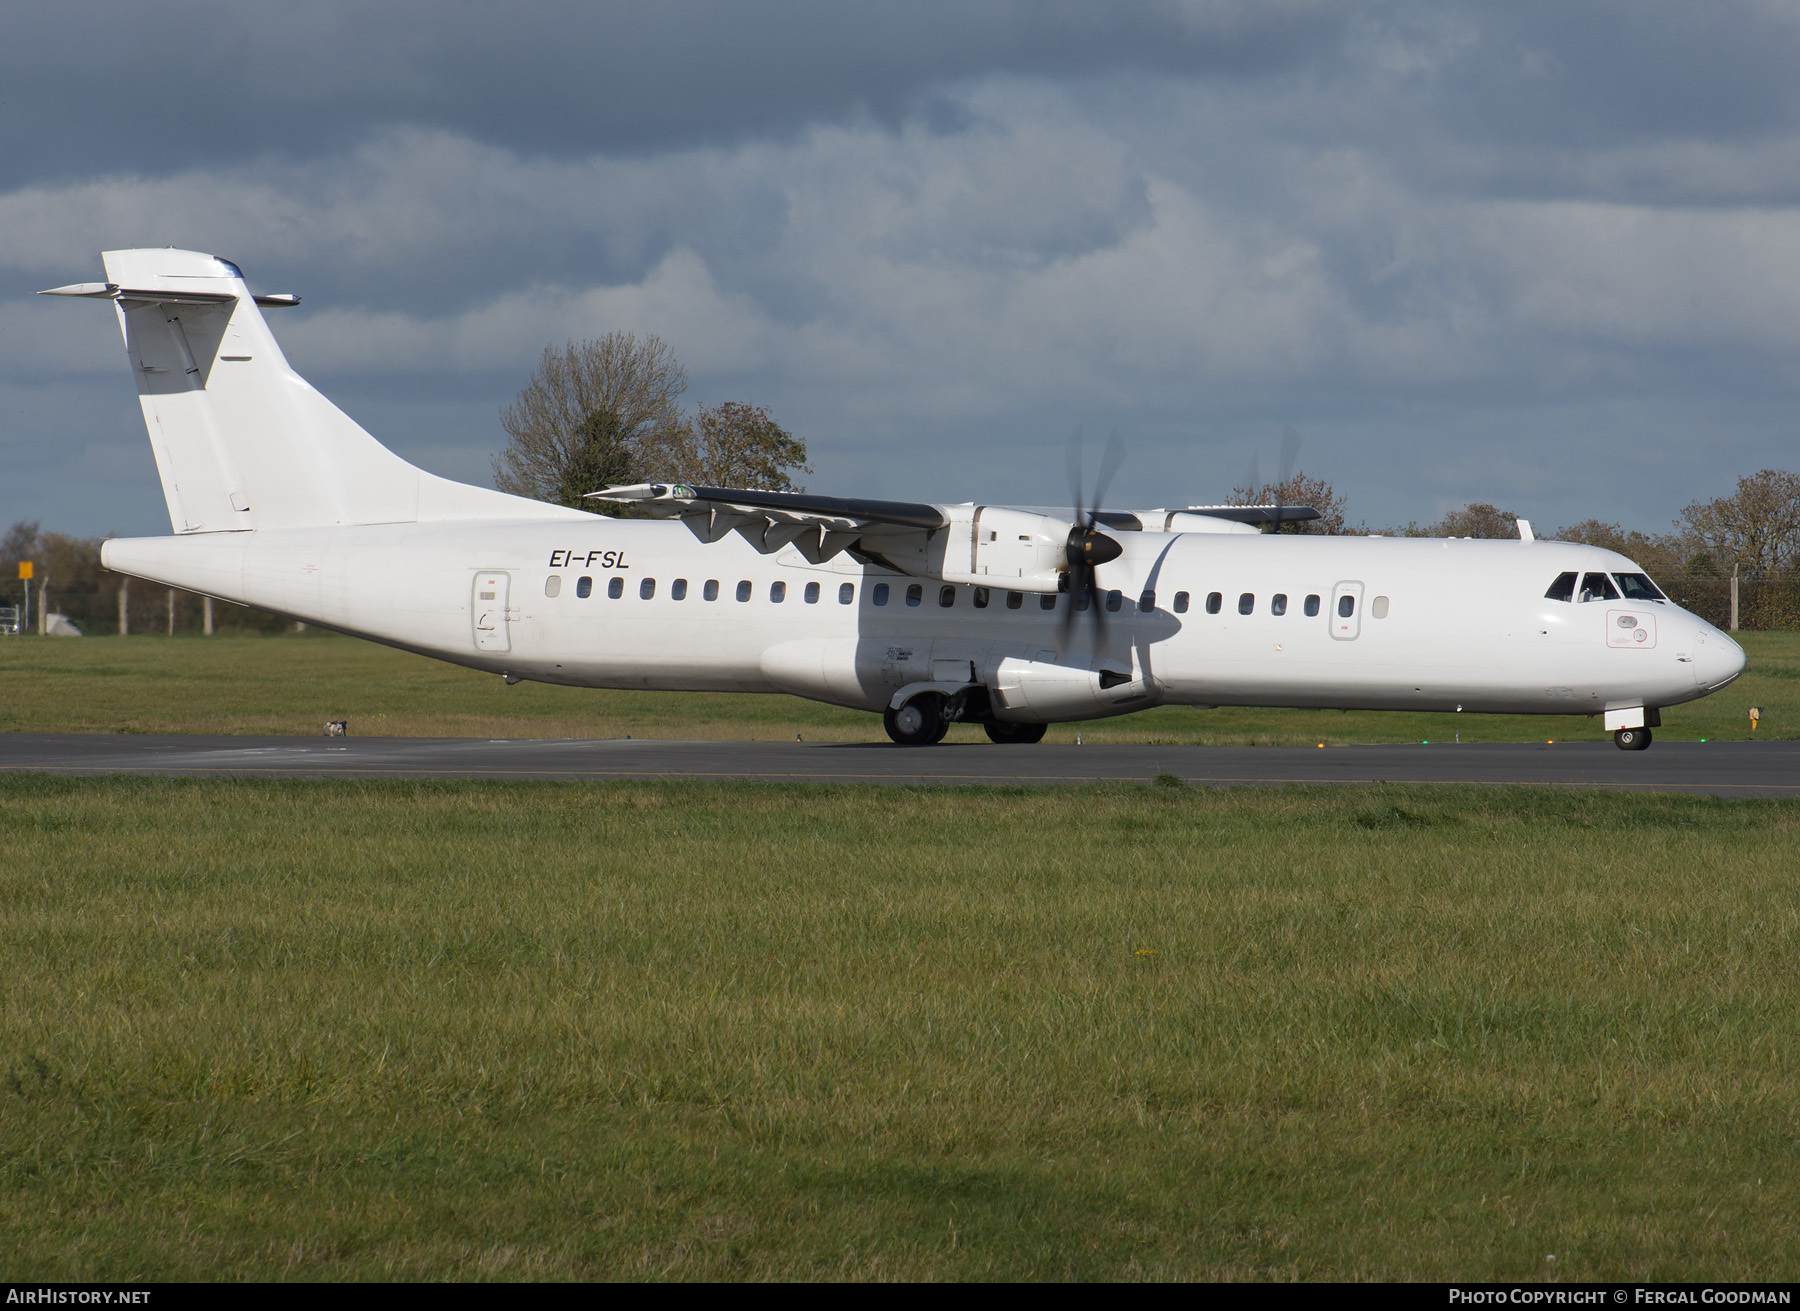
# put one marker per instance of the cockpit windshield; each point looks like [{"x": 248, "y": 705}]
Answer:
[
  {"x": 1597, "y": 587},
  {"x": 1563, "y": 589},
  {"x": 1638, "y": 587}
]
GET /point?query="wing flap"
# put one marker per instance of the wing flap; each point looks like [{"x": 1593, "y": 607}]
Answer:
[{"x": 817, "y": 526}]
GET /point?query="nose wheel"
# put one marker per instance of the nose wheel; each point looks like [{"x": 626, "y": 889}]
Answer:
[
  {"x": 918, "y": 723},
  {"x": 1631, "y": 739}
]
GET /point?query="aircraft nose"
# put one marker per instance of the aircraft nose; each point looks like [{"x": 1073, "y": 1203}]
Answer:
[{"x": 1717, "y": 660}]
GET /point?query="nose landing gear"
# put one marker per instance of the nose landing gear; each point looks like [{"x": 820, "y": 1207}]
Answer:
[{"x": 1632, "y": 739}]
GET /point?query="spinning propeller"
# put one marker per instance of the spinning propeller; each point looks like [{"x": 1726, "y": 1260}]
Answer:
[
  {"x": 1088, "y": 548},
  {"x": 1254, "y": 490}
]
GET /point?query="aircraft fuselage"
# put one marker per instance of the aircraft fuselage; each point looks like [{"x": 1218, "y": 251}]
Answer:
[{"x": 1430, "y": 624}]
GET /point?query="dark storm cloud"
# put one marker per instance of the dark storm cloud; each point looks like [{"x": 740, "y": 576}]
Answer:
[
  {"x": 97, "y": 86},
  {"x": 1541, "y": 254}
]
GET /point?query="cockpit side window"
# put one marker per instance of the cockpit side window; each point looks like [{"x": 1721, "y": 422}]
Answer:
[
  {"x": 1638, "y": 587},
  {"x": 1598, "y": 587},
  {"x": 1563, "y": 589}
]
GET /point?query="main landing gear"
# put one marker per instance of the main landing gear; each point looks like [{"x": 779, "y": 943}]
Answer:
[
  {"x": 1631, "y": 739},
  {"x": 1022, "y": 734},
  {"x": 925, "y": 719},
  {"x": 918, "y": 723}
]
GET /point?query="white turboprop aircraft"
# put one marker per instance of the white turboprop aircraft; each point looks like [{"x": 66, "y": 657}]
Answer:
[{"x": 925, "y": 613}]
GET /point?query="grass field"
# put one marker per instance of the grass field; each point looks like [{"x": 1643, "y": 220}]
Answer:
[
  {"x": 334, "y": 1030},
  {"x": 293, "y": 684}
]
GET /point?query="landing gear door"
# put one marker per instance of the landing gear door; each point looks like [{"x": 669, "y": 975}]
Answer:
[
  {"x": 489, "y": 610},
  {"x": 1346, "y": 611}
]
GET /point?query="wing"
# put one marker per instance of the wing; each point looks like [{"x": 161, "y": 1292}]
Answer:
[
  {"x": 1255, "y": 514},
  {"x": 816, "y": 526}
]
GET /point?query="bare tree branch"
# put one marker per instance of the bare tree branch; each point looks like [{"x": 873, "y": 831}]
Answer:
[{"x": 1758, "y": 525}]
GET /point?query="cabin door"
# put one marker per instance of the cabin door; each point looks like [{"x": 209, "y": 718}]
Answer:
[
  {"x": 1346, "y": 611},
  {"x": 489, "y": 609}
]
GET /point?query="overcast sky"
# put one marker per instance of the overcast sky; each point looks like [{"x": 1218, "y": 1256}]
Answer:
[{"x": 1540, "y": 254}]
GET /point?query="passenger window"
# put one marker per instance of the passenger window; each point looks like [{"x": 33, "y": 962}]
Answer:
[
  {"x": 1046, "y": 600},
  {"x": 678, "y": 590},
  {"x": 1346, "y": 606},
  {"x": 1378, "y": 608},
  {"x": 1083, "y": 599},
  {"x": 812, "y": 593},
  {"x": 881, "y": 593},
  {"x": 614, "y": 589},
  {"x": 982, "y": 596},
  {"x": 1563, "y": 589},
  {"x": 1214, "y": 603},
  {"x": 584, "y": 587},
  {"x": 1147, "y": 602},
  {"x": 946, "y": 596},
  {"x": 915, "y": 594},
  {"x": 846, "y": 593},
  {"x": 1014, "y": 600},
  {"x": 1247, "y": 603},
  {"x": 1598, "y": 587},
  {"x": 1312, "y": 605},
  {"x": 1638, "y": 587},
  {"x": 647, "y": 588},
  {"x": 553, "y": 585},
  {"x": 711, "y": 590},
  {"x": 1181, "y": 603},
  {"x": 743, "y": 590},
  {"x": 1113, "y": 601},
  {"x": 778, "y": 591},
  {"x": 1278, "y": 603}
]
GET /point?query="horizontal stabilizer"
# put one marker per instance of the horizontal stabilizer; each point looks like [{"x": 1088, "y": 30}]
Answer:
[{"x": 166, "y": 296}]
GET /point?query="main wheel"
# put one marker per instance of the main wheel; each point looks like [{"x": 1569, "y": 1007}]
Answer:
[
  {"x": 918, "y": 723},
  {"x": 1019, "y": 733},
  {"x": 1632, "y": 739}
]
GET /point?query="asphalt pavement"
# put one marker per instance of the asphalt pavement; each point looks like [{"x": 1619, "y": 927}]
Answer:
[{"x": 1743, "y": 769}]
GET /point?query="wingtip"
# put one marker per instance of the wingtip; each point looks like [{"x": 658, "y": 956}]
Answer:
[{"x": 91, "y": 290}]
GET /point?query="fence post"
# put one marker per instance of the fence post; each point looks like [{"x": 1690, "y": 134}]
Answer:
[
  {"x": 1734, "y": 612},
  {"x": 209, "y": 620},
  {"x": 124, "y": 607},
  {"x": 171, "y": 612},
  {"x": 44, "y": 604}
]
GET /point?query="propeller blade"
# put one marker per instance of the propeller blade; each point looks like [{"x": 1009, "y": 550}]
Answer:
[
  {"x": 1087, "y": 547},
  {"x": 1109, "y": 465},
  {"x": 1290, "y": 454},
  {"x": 1074, "y": 459}
]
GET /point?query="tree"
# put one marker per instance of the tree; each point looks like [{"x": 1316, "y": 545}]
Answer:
[
  {"x": 733, "y": 445},
  {"x": 1476, "y": 519},
  {"x": 1757, "y": 526},
  {"x": 20, "y": 543},
  {"x": 587, "y": 416},
  {"x": 602, "y": 458},
  {"x": 1663, "y": 557},
  {"x": 1298, "y": 489}
]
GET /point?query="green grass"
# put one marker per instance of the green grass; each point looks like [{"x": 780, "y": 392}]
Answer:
[
  {"x": 294, "y": 684},
  {"x": 431, "y": 1030}
]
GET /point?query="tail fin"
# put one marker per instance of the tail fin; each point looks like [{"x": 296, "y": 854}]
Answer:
[{"x": 241, "y": 440}]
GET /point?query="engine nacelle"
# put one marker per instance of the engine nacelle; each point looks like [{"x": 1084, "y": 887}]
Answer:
[
  {"x": 1037, "y": 691},
  {"x": 989, "y": 546}
]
